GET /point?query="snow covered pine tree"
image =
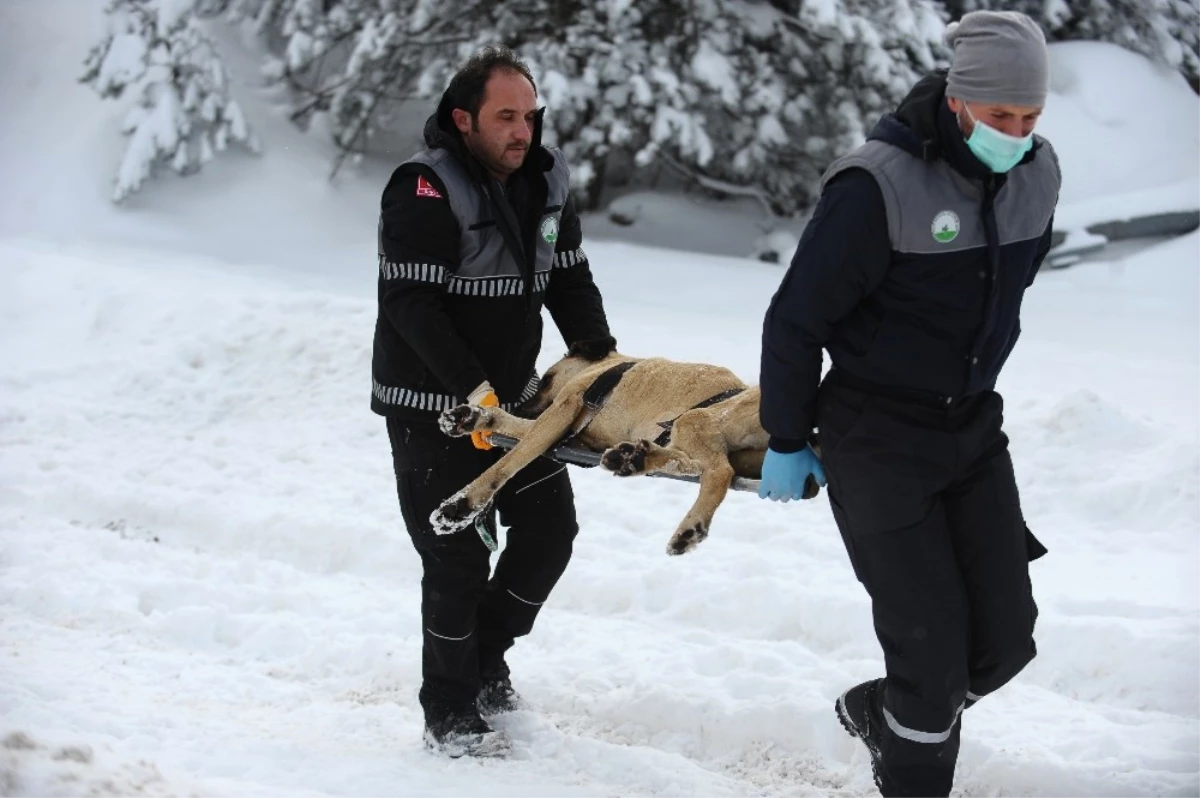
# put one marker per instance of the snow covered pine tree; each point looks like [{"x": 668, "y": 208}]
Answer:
[
  {"x": 1167, "y": 31},
  {"x": 752, "y": 99},
  {"x": 749, "y": 99},
  {"x": 184, "y": 112},
  {"x": 354, "y": 63}
]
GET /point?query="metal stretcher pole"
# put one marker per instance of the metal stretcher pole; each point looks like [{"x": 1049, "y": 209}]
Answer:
[{"x": 588, "y": 459}]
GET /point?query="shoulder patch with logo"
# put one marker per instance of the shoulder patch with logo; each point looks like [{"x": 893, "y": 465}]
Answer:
[
  {"x": 426, "y": 189},
  {"x": 549, "y": 229},
  {"x": 945, "y": 227}
]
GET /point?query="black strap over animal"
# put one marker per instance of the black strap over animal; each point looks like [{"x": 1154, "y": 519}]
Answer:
[
  {"x": 597, "y": 395},
  {"x": 665, "y": 436},
  {"x": 594, "y": 399}
]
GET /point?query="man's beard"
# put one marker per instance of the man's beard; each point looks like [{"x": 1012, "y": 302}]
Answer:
[{"x": 495, "y": 165}]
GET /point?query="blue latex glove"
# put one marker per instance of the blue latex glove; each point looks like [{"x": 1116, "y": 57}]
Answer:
[{"x": 784, "y": 475}]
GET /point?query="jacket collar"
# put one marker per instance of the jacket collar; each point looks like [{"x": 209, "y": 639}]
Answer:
[{"x": 924, "y": 126}]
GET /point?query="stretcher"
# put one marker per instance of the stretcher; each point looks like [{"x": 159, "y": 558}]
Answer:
[{"x": 588, "y": 459}]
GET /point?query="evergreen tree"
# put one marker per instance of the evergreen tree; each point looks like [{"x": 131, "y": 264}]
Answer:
[
  {"x": 1167, "y": 31},
  {"x": 610, "y": 76},
  {"x": 806, "y": 82},
  {"x": 736, "y": 97},
  {"x": 358, "y": 61},
  {"x": 183, "y": 112},
  {"x": 753, "y": 98}
]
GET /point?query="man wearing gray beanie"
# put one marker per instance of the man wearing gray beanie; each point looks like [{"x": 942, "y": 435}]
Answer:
[{"x": 910, "y": 273}]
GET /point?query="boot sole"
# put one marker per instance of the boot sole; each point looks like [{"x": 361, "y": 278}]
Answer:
[{"x": 844, "y": 718}]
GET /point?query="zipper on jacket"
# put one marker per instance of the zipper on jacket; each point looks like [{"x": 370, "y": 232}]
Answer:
[
  {"x": 510, "y": 228},
  {"x": 992, "y": 233},
  {"x": 987, "y": 212},
  {"x": 989, "y": 221}
]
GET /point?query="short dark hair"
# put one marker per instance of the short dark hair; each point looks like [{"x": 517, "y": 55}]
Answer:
[{"x": 470, "y": 82}]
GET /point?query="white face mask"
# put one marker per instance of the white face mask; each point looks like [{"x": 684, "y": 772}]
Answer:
[{"x": 998, "y": 151}]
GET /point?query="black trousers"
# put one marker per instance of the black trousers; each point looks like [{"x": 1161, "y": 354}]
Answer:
[
  {"x": 924, "y": 495},
  {"x": 469, "y": 620}
]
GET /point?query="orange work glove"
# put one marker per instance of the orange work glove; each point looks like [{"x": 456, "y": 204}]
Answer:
[{"x": 483, "y": 396}]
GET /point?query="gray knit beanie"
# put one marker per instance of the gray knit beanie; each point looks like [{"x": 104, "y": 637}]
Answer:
[{"x": 999, "y": 57}]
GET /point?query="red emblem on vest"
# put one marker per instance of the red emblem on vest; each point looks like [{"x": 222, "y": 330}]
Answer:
[{"x": 426, "y": 189}]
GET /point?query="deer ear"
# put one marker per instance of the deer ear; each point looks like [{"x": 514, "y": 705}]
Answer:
[{"x": 593, "y": 349}]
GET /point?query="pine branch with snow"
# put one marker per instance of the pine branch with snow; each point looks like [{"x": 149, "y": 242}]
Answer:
[
  {"x": 262, "y": 15},
  {"x": 1167, "y": 31},
  {"x": 816, "y": 76},
  {"x": 608, "y": 74},
  {"x": 752, "y": 98},
  {"x": 393, "y": 51},
  {"x": 354, "y": 62},
  {"x": 184, "y": 112},
  {"x": 749, "y": 98}
]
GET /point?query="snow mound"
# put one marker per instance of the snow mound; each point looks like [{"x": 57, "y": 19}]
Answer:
[
  {"x": 209, "y": 366},
  {"x": 1113, "y": 469},
  {"x": 1106, "y": 649},
  {"x": 33, "y": 766},
  {"x": 1083, "y": 418},
  {"x": 1106, "y": 116}
]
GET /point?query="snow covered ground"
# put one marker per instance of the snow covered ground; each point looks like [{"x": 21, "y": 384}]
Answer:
[{"x": 205, "y": 586}]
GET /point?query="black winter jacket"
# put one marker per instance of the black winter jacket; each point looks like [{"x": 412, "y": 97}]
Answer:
[
  {"x": 934, "y": 321},
  {"x": 430, "y": 342}
]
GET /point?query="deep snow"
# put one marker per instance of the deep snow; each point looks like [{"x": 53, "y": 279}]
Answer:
[{"x": 205, "y": 578}]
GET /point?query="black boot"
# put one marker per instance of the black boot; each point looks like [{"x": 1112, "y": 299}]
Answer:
[
  {"x": 858, "y": 709},
  {"x": 496, "y": 693},
  {"x": 465, "y": 734}
]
